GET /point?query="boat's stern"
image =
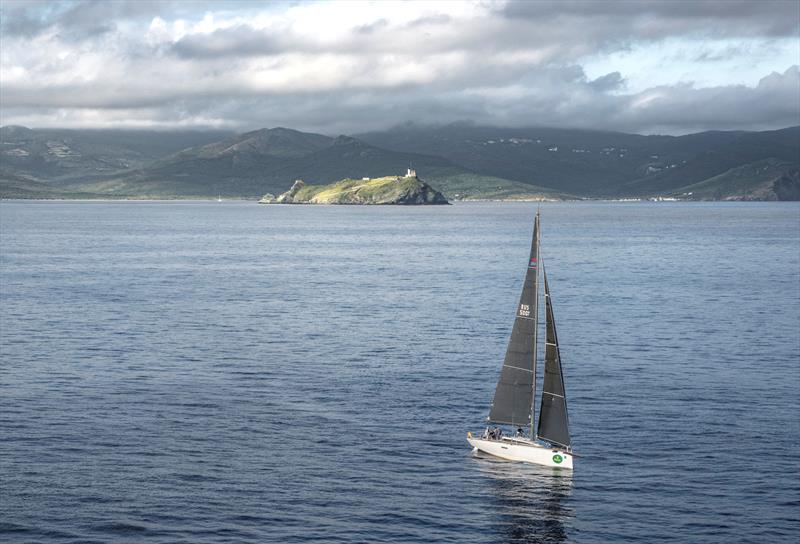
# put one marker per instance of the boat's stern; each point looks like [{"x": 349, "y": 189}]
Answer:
[{"x": 560, "y": 459}]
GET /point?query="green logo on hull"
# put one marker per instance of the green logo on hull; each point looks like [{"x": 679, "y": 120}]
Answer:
[{"x": 557, "y": 458}]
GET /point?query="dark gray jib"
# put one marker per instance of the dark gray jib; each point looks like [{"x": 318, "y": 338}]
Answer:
[
  {"x": 553, "y": 418},
  {"x": 514, "y": 395}
]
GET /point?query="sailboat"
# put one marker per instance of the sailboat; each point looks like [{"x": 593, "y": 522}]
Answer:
[{"x": 549, "y": 442}]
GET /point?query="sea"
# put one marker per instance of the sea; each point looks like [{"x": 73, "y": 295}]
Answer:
[{"x": 207, "y": 372}]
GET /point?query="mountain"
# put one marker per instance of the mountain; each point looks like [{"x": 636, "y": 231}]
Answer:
[
  {"x": 69, "y": 156},
  {"x": 268, "y": 160},
  {"x": 262, "y": 161},
  {"x": 768, "y": 179},
  {"x": 463, "y": 161},
  {"x": 715, "y": 154},
  {"x": 573, "y": 161},
  {"x": 19, "y": 186},
  {"x": 593, "y": 163}
]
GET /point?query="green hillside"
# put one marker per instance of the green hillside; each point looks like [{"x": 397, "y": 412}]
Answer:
[
  {"x": 470, "y": 186},
  {"x": 738, "y": 149},
  {"x": 382, "y": 190},
  {"x": 266, "y": 161},
  {"x": 68, "y": 156},
  {"x": 18, "y": 186},
  {"x": 593, "y": 163},
  {"x": 769, "y": 179},
  {"x": 463, "y": 161}
]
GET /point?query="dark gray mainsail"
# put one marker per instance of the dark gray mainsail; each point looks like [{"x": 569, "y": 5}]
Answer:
[
  {"x": 514, "y": 395},
  {"x": 553, "y": 418}
]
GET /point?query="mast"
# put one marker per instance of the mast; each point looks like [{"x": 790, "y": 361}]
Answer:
[
  {"x": 536, "y": 237},
  {"x": 553, "y": 416},
  {"x": 515, "y": 392}
]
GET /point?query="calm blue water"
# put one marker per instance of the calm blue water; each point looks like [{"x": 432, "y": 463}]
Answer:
[{"x": 204, "y": 372}]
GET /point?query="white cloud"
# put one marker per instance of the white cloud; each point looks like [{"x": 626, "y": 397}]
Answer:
[{"x": 351, "y": 66}]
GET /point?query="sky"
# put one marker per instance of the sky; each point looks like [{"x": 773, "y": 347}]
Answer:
[{"x": 650, "y": 67}]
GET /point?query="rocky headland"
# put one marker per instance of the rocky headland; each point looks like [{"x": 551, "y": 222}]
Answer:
[{"x": 403, "y": 190}]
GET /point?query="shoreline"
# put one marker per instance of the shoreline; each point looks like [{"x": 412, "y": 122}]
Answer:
[{"x": 458, "y": 201}]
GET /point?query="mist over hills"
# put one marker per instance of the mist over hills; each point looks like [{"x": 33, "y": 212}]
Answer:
[{"x": 461, "y": 160}]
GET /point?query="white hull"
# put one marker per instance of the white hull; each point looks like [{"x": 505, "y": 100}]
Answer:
[{"x": 515, "y": 449}]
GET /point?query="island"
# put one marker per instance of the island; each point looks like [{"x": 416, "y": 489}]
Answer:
[{"x": 405, "y": 190}]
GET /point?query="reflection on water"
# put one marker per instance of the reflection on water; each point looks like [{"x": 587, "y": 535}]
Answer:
[{"x": 530, "y": 500}]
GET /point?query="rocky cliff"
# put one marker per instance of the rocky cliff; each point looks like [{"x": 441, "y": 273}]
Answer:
[{"x": 407, "y": 190}]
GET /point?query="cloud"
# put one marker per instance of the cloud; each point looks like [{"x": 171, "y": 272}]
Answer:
[
  {"x": 236, "y": 41},
  {"x": 73, "y": 21},
  {"x": 20, "y": 19},
  {"x": 372, "y": 28},
  {"x": 657, "y": 19},
  {"x": 349, "y": 67},
  {"x": 774, "y": 102},
  {"x": 609, "y": 82}
]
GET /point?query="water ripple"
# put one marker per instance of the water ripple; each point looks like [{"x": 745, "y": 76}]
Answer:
[{"x": 205, "y": 372}]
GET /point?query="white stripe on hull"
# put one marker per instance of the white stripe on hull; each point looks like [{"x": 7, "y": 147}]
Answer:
[{"x": 525, "y": 452}]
